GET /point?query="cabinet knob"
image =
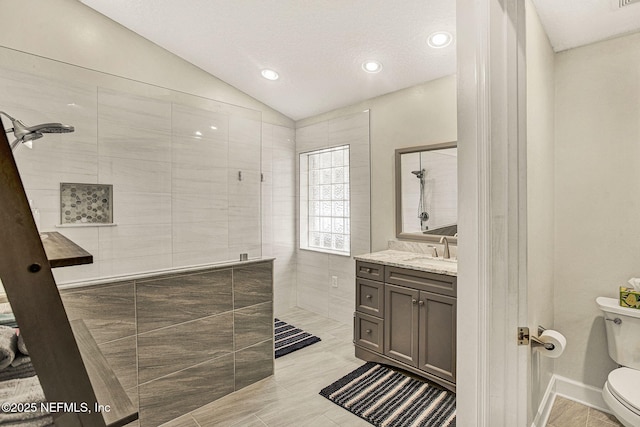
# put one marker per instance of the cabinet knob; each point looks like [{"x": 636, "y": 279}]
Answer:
[
  {"x": 414, "y": 301},
  {"x": 366, "y": 270},
  {"x": 368, "y": 296},
  {"x": 368, "y": 331},
  {"x": 421, "y": 302}
]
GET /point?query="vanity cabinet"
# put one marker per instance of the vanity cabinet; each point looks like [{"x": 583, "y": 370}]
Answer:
[{"x": 407, "y": 318}]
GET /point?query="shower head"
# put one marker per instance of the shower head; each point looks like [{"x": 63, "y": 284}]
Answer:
[
  {"x": 25, "y": 134},
  {"x": 419, "y": 173}
]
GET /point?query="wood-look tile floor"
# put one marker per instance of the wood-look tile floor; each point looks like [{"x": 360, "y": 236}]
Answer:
[
  {"x": 290, "y": 397},
  {"x": 567, "y": 413}
]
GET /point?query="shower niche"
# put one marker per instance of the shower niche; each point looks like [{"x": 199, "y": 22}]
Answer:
[
  {"x": 86, "y": 204},
  {"x": 426, "y": 191}
]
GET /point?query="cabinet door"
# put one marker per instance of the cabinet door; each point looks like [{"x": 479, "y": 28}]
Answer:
[
  {"x": 401, "y": 323},
  {"x": 438, "y": 335}
]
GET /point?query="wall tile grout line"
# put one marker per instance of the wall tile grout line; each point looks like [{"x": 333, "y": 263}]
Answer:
[{"x": 106, "y": 308}]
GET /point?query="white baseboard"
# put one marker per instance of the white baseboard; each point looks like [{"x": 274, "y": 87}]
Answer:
[
  {"x": 542, "y": 416},
  {"x": 581, "y": 393},
  {"x": 572, "y": 390}
]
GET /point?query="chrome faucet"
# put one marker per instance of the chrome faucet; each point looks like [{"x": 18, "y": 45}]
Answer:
[{"x": 445, "y": 242}]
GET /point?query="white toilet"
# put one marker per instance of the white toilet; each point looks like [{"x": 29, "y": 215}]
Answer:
[{"x": 621, "y": 392}]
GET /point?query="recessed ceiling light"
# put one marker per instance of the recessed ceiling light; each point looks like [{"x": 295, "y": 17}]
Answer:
[
  {"x": 198, "y": 133},
  {"x": 214, "y": 128},
  {"x": 440, "y": 39},
  {"x": 269, "y": 74},
  {"x": 371, "y": 66}
]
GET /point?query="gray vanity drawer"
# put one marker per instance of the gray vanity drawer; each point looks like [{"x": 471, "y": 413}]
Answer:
[
  {"x": 370, "y": 297},
  {"x": 421, "y": 280},
  {"x": 369, "y": 270},
  {"x": 369, "y": 332}
]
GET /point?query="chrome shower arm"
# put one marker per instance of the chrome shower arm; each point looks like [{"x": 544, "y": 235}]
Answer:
[
  {"x": 10, "y": 118},
  {"x": 15, "y": 143},
  {"x": 5, "y": 114}
]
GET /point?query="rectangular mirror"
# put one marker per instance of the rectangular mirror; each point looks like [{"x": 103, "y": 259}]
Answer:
[{"x": 427, "y": 192}]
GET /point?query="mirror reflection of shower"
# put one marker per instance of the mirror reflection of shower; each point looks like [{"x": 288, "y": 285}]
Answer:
[
  {"x": 434, "y": 191},
  {"x": 26, "y": 134},
  {"x": 423, "y": 215}
]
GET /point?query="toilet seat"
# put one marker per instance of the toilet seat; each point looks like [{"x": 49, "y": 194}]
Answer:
[
  {"x": 626, "y": 416},
  {"x": 623, "y": 385}
]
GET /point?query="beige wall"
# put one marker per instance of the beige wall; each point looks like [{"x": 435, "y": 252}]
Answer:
[
  {"x": 540, "y": 200},
  {"x": 419, "y": 115},
  {"x": 70, "y": 32},
  {"x": 597, "y": 188}
]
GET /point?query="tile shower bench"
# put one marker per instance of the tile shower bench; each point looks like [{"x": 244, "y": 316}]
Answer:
[{"x": 178, "y": 341}]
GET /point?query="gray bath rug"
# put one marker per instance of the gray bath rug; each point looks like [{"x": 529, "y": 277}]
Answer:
[
  {"x": 388, "y": 398},
  {"x": 289, "y": 338}
]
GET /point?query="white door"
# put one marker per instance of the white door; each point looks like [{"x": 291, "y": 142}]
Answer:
[{"x": 492, "y": 369}]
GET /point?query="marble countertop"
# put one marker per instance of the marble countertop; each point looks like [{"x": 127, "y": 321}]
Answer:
[{"x": 412, "y": 260}]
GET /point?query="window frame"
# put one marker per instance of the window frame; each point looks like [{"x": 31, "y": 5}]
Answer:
[{"x": 305, "y": 199}]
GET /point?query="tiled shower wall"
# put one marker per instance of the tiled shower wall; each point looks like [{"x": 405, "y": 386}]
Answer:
[
  {"x": 177, "y": 199},
  {"x": 173, "y": 160},
  {"x": 279, "y": 210},
  {"x": 177, "y": 342},
  {"x": 315, "y": 269}
]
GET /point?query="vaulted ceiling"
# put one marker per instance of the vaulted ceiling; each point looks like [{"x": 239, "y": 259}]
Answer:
[{"x": 318, "y": 46}]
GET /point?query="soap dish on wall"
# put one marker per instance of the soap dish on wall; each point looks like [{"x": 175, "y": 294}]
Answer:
[{"x": 86, "y": 204}]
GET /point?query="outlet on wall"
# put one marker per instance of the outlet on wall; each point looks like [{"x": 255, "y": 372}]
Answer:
[{"x": 334, "y": 281}]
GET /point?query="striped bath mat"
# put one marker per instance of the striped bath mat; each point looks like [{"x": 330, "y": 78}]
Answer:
[
  {"x": 387, "y": 398},
  {"x": 289, "y": 338}
]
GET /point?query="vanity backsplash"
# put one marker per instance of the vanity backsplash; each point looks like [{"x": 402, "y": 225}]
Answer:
[{"x": 422, "y": 247}]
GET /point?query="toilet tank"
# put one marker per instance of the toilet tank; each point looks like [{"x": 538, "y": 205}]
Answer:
[{"x": 623, "y": 339}]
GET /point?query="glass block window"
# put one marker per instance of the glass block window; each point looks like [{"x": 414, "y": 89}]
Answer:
[{"x": 326, "y": 183}]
